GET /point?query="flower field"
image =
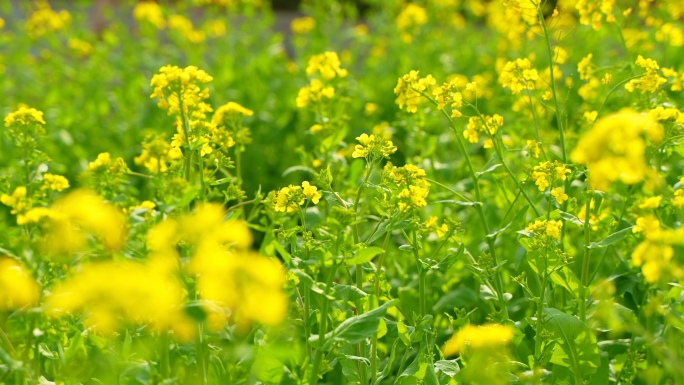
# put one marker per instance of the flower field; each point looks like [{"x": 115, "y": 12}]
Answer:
[{"x": 379, "y": 192}]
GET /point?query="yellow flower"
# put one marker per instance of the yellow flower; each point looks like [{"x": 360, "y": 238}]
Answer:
[
  {"x": 559, "y": 195},
  {"x": 593, "y": 11},
  {"x": 77, "y": 214},
  {"x": 650, "y": 81},
  {"x": 17, "y": 288},
  {"x": 150, "y": 12},
  {"x": 678, "y": 200},
  {"x": 518, "y": 75},
  {"x": 534, "y": 147},
  {"x": 54, "y": 182},
  {"x": 549, "y": 228},
  {"x": 488, "y": 336},
  {"x": 409, "y": 20},
  {"x": 17, "y": 201},
  {"x": 81, "y": 47},
  {"x": 44, "y": 19},
  {"x": 584, "y": 67},
  {"x": 302, "y": 25},
  {"x": 311, "y": 192},
  {"x": 614, "y": 148},
  {"x": 315, "y": 92},
  {"x": 409, "y": 88},
  {"x": 373, "y": 147},
  {"x": 412, "y": 198},
  {"x": 176, "y": 87},
  {"x": 327, "y": 64},
  {"x": 650, "y": 202},
  {"x": 24, "y": 116},
  {"x": 370, "y": 108}
]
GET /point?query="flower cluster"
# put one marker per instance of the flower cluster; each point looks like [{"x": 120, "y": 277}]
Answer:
[
  {"x": 518, "y": 75},
  {"x": 409, "y": 90},
  {"x": 179, "y": 91},
  {"x": 650, "y": 81},
  {"x": 44, "y": 19},
  {"x": 546, "y": 227},
  {"x": 546, "y": 172},
  {"x": 289, "y": 199},
  {"x": 315, "y": 92},
  {"x": 150, "y": 12},
  {"x": 410, "y": 185},
  {"x": 327, "y": 65},
  {"x": 476, "y": 127},
  {"x": 17, "y": 288},
  {"x": 373, "y": 148},
  {"x": 488, "y": 336},
  {"x": 448, "y": 94},
  {"x": 656, "y": 250},
  {"x": 409, "y": 21},
  {"x": 614, "y": 148},
  {"x": 593, "y": 11},
  {"x": 302, "y": 25},
  {"x": 157, "y": 154}
]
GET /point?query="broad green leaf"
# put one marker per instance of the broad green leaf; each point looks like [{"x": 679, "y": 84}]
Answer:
[
  {"x": 612, "y": 238},
  {"x": 448, "y": 367},
  {"x": 579, "y": 350},
  {"x": 348, "y": 292},
  {"x": 267, "y": 367},
  {"x": 385, "y": 372},
  {"x": 449, "y": 260},
  {"x": 364, "y": 255},
  {"x": 571, "y": 218},
  {"x": 350, "y": 366},
  {"x": 356, "y": 329},
  {"x": 403, "y": 333}
]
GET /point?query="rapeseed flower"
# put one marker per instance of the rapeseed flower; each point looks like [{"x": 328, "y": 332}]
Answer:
[
  {"x": 651, "y": 79},
  {"x": 488, "y": 336},
  {"x": 409, "y": 88},
  {"x": 545, "y": 227},
  {"x": 17, "y": 288}
]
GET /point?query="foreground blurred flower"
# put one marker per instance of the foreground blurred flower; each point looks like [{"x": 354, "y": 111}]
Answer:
[
  {"x": 478, "y": 337},
  {"x": 613, "y": 149},
  {"x": 17, "y": 288}
]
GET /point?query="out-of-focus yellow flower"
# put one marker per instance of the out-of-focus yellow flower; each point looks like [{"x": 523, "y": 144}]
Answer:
[
  {"x": 17, "y": 288},
  {"x": 184, "y": 26},
  {"x": 670, "y": 33},
  {"x": 327, "y": 65},
  {"x": 303, "y": 25},
  {"x": 315, "y": 92},
  {"x": 585, "y": 68},
  {"x": 24, "y": 116},
  {"x": 215, "y": 28},
  {"x": 18, "y": 201},
  {"x": 81, "y": 47},
  {"x": 75, "y": 215},
  {"x": 650, "y": 203},
  {"x": 614, "y": 148},
  {"x": 593, "y": 11},
  {"x": 488, "y": 336},
  {"x": 43, "y": 19},
  {"x": 475, "y": 127},
  {"x": 157, "y": 154},
  {"x": 409, "y": 20},
  {"x": 656, "y": 250},
  {"x": 151, "y": 12},
  {"x": 117, "y": 293},
  {"x": 370, "y": 108}
]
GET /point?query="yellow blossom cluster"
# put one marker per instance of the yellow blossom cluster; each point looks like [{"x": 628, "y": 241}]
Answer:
[
  {"x": 150, "y": 12},
  {"x": 412, "y": 197},
  {"x": 546, "y": 172},
  {"x": 184, "y": 26},
  {"x": 18, "y": 201},
  {"x": 448, "y": 94},
  {"x": 327, "y": 65},
  {"x": 315, "y": 92},
  {"x": 476, "y": 127},
  {"x": 54, "y": 182},
  {"x": 179, "y": 91},
  {"x": 75, "y": 216},
  {"x": 585, "y": 68},
  {"x": 656, "y": 250},
  {"x": 409, "y": 20},
  {"x": 17, "y": 288},
  {"x": 670, "y": 33},
  {"x": 614, "y": 148},
  {"x": 125, "y": 292},
  {"x": 650, "y": 81},
  {"x": 43, "y": 19},
  {"x": 157, "y": 154},
  {"x": 289, "y": 199},
  {"x": 431, "y": 225},
  {"x": 373, "y": 147},
  {"x": 594, "y": 218},
  {"x": 411, "y": 185},
  {"x": 549, "y": 228},
  {"x": 518, "y": 75},
  {"x": 409, "y": 89},
  {"x": 302, "y": 25},
  {"x": 661, "y": 113},
  {"x": 593, "y": 11},
  {"x": 488, "y": 336}
]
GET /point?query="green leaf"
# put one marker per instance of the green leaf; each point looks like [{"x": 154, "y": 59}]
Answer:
[
  {"x": 404, "y": 335},
  {"x": 350, "y": 366},
  {"x": 267, "y": 367},
  {"x": 459, "y": 203},
  {"x": 579, "y": 350},
  {"x": 612, "y": 238},
  {"x": 356, "y": 329},
  {"x": 281, "y": 250},
  {"x": 385, "y": 372},
  {"x": 449, "y": 260},
  {"x": 348, "y": 292},
  {"x": 364, "y": 255},
  {"x": 292, "y": 169},
  {"x": 490, "y": 169},
  {"x": 448, "y": 367}
]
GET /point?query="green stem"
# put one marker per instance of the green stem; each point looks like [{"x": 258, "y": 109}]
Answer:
[
  {"x": 374, "y": 341},
  {"x": 322, "y": 329},
  {"x": 559, "y": 120},
  {"x": 540, "y": 313},
  {"x": 358, "y": 199},
  {"x": 585, "y": 258}
]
